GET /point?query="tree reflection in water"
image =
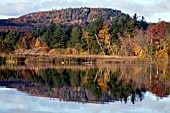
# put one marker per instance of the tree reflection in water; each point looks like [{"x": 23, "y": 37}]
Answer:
[{"x": 92, "y": 85}]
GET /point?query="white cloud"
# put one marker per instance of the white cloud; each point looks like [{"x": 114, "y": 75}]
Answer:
[
  {"x": 16, "y": 7},
  {"x": 150, "y": 9}
]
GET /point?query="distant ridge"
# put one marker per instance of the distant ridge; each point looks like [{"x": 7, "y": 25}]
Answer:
[{"x": 81, "y": 16}]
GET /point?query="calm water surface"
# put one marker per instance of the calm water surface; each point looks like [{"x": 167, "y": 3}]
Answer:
[{"x": 117, "y": 88}]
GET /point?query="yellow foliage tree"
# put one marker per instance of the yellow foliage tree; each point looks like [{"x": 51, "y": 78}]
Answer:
[
  {"x": 85, "y": 35},
  {"x": 103, "y": 31},
  {"x": 45, "y": 44},
  {"x": 71, "y": 51},
  {"x": 104, "y": 34},
  {"x": 37, "y": 43}
]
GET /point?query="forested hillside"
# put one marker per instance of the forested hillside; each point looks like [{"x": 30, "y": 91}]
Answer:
[
  {"x": 100, "y": 32},
  {"x": 70, "y": 16}
]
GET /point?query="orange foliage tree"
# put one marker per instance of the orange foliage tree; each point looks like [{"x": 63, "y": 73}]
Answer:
[
  {"x": 105, "y": 37},
  {"x": 37, "y": 43},
  {"x": 158, "y": 40}
]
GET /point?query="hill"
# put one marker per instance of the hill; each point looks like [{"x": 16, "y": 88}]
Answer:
[
  {"x": 81, "y": 16},
  {"x": 82, "y": 31}
]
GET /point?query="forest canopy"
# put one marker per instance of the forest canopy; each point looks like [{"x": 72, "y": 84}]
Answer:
[{"x": 123, "y": 36}]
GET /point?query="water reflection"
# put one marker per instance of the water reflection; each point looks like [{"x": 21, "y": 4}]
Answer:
[
  {"x": 89, "y": 84},
  {"x": 22, "y": 103}
]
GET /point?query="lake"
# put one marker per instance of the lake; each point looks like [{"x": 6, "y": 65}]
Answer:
[{"x": 104, "y": 88}]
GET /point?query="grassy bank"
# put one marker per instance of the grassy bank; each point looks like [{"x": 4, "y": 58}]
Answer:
[{"x": 71, "y": 59}]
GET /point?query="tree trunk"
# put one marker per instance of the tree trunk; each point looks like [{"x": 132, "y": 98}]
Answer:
[{"x": 99, "y": 44}]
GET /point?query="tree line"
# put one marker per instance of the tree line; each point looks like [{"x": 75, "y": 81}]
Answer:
[{"x": 124, "y": 36}]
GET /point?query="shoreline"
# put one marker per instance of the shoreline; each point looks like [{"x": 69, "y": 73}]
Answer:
[{"x": 67, "y": 59}]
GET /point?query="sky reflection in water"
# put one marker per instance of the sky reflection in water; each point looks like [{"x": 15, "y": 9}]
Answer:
[{"x": 14, "y": 101}]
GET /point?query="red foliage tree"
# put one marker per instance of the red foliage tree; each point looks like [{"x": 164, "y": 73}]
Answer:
[{"x": 159, "y": 30}]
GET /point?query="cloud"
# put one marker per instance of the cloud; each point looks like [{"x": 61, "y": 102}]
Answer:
[
  {"x": 150, "y": 9},
  {"x": 154, "y": 8},
  {"x": 58, "y": 4},
  {"x": 17, "y": 7}
]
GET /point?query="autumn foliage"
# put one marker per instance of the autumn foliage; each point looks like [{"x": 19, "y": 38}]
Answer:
[
  {"x": 160, "y": 30},
  {"x": 117, "y": 34}
]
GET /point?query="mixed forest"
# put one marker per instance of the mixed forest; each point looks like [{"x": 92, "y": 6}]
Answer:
[{"x": 86, "y": 31}]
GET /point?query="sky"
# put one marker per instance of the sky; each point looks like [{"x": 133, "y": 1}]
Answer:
[{"x": 152, "y": 10}]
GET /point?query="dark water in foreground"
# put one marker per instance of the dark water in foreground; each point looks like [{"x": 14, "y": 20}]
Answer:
[{"x": 85, "y": 88}]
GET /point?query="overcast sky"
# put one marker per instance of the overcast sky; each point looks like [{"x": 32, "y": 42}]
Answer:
[{"x": 152, "y": 10}]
